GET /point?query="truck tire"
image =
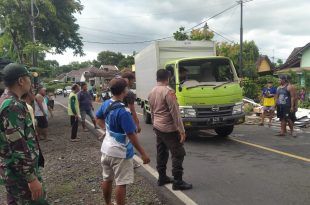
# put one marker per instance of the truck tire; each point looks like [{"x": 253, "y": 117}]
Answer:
[
  {"x": 147, "y": 117},
  {"x": 224, "y": 131}
]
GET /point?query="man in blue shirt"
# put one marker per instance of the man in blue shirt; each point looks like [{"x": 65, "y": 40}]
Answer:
[
  {"x": 117, "y": 146},
  {"x": 86, "y": 106},
  {"x": 268, "y": 95}
]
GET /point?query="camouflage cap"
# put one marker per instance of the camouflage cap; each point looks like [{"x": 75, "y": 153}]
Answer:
[{"x": 13, "y": 71}]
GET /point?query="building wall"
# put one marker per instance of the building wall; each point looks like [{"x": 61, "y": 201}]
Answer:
[
  {"x": 264, "y": 66},
  {"x": 305, "y": 59}
]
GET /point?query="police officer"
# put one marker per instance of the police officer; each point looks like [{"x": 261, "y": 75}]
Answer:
[
  {"x": 169, "y": 130},
  {"x": 19, "y": 148}
]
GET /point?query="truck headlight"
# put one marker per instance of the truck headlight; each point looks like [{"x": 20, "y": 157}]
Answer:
[
  {"x": 238, "y": 108},
  {"x": 187, "y": 112}
]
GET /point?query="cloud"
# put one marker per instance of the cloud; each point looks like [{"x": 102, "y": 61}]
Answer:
[{"x": 276, "y": 26}]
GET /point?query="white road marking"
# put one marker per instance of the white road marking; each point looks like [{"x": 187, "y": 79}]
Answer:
[{"x": 179, "y": 194}]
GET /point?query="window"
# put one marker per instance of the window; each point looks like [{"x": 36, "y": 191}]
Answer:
[
  {"x": 170, "y": 68},
  {"x": 207, "y": 70}
]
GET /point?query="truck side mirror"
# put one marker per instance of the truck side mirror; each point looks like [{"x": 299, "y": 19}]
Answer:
[{"x": 180, "y": 88}]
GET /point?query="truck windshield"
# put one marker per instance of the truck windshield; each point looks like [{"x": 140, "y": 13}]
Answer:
[{"x": 206, "y": 70}]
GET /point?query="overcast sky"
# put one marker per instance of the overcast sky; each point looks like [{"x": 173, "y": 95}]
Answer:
[{"x": 277, "y": 26}]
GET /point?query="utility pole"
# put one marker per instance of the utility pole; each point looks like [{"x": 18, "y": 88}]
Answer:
[
  {"x": 241, "y": 2},
  {"x": 34, "y": 59},
  {"x": 241, "y": 39}
]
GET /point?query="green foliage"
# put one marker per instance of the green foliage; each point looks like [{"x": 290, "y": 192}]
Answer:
[
  {"x": 126, "y": 62},
  {"x": 250, "y": 89},
  {"x": 113, "y": 58},
  {"x": 195, "y": 35},
  {"x": 51, "y": 86},
  {"x": 55, "y": 27},
  {"x": 279, "y": 62},
  {"x": 109, "y": 58},
  {"x": 305, "y": 104},
  {"x": 294, "y": 77},
  {"x": 306, "y": 74},
  {"x": 248, "y": 108},
  {"x": 201, "y": 34},
  {"x": 180, "y": 35},
  {"x": 250, "y": 56},
  {"x": 262, "y": 81}
]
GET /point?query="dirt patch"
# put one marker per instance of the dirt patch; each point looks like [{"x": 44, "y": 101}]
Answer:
[{"x": 72, "y": 172}]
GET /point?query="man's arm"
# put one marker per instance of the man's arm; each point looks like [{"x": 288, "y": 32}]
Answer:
[
  {"x": 175, "y": 113},
  {"x": 134, "y": 116},
  {"x": 151, "y": 108},
  {"x": 72, "y": 103},
  {"x": 100, "y": 118},
  {"x": 101, "y": 123},
  {"x": 40, "y": 100},
  {"x": 135, "y": 142},
  {"x": 292, "y": 93},
  {"x": 276, "y": 96}
]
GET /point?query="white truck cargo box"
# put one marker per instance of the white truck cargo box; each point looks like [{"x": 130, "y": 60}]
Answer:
[{"x": 156, "y": 55}]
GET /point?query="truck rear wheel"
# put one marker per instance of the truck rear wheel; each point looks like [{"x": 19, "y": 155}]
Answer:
[
  {"x": 224, "y": 131},
  {"x": 147, "y": 116}
]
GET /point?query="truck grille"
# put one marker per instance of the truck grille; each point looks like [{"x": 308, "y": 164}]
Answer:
[{"x": 214, "y": 111}]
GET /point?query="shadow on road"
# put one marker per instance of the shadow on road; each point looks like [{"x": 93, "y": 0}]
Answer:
[{"x": 208, "y": 137}]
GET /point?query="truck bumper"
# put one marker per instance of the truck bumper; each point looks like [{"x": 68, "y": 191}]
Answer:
[{"x": 213, "y": 122}]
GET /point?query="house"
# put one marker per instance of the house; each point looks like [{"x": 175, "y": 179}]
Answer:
[
  {"x": 61, "y": 77},
  {"x": 98, "y": 77},
  {"x": 264, "y": 65},
  {"x": 77, "y": 75},
  {"x": 101, "y": 76},
  {"x": 298, "y": 62}
]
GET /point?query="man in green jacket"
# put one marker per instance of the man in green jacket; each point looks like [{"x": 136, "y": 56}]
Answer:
[{"x": 74, "y": 112}]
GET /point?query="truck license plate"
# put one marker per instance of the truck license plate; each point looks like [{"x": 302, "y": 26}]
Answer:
[{"x": 216, "y": 119}]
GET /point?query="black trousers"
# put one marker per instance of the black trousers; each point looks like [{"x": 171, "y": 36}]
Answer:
[
  {"x": 169, "y": 142},
  {"x": 74, "y": 126}
]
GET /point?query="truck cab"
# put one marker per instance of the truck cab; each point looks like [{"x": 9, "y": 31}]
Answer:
[{"x": 208, "y": 93}]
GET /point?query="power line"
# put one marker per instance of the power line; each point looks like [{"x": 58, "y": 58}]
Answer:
[
  {"x": 157, "y": 14},
  {"x": 205, "y": 21},
  {"x": 158, "y": 39},
  {"x": 111, "y": 32}
]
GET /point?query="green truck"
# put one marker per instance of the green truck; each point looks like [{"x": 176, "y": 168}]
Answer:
[{"x": 207, "y": 86}]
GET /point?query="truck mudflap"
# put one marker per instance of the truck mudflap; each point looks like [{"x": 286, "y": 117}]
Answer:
[{"x": 213, "y": 122}]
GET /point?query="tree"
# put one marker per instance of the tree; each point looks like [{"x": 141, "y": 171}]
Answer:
[
  {"x": 109, "y": 58},
  {"x": 126, "y": 62},
  {"x": 202, "y": 34},
  {"x": 55, "y": 27},
  {"x": 250, "y": 56},
  {"x": 180, "y": 35},
  {"x": 279, "y": 62}
]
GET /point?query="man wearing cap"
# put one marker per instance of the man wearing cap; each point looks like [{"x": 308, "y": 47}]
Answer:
[
  {"x": 285, "y": 99},
  {"x": 19, "y": 148},
  {"x": 268, "y": 94}
]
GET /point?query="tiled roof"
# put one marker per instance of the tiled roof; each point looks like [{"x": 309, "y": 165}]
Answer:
[{"x": 294, "y": 59}]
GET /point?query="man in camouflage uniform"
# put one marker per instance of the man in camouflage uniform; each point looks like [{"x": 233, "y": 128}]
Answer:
[{"x": 19, "y": 148}]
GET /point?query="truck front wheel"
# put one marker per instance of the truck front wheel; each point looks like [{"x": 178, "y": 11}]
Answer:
[
  {"x": 147, "y": 116},
  {"x": 224, "y": 131}
]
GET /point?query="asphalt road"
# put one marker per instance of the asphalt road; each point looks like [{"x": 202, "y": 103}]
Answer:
[{"x": 252, "y": 166}]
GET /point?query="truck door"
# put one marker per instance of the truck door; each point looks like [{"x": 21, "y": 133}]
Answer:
[{"x": 170, "y": 68}]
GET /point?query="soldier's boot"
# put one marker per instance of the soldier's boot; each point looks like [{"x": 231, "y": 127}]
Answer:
[
  {"x": 179, "y": 184},
  {"x": 164, "y": 179}
]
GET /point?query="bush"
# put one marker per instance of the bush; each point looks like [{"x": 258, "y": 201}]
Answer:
[
  {"x": 248, "y": 108},
  {"x": 305, "y": 104},
  {"x": 250, "y": 89},
  {"x": 51, "y": 87}
]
